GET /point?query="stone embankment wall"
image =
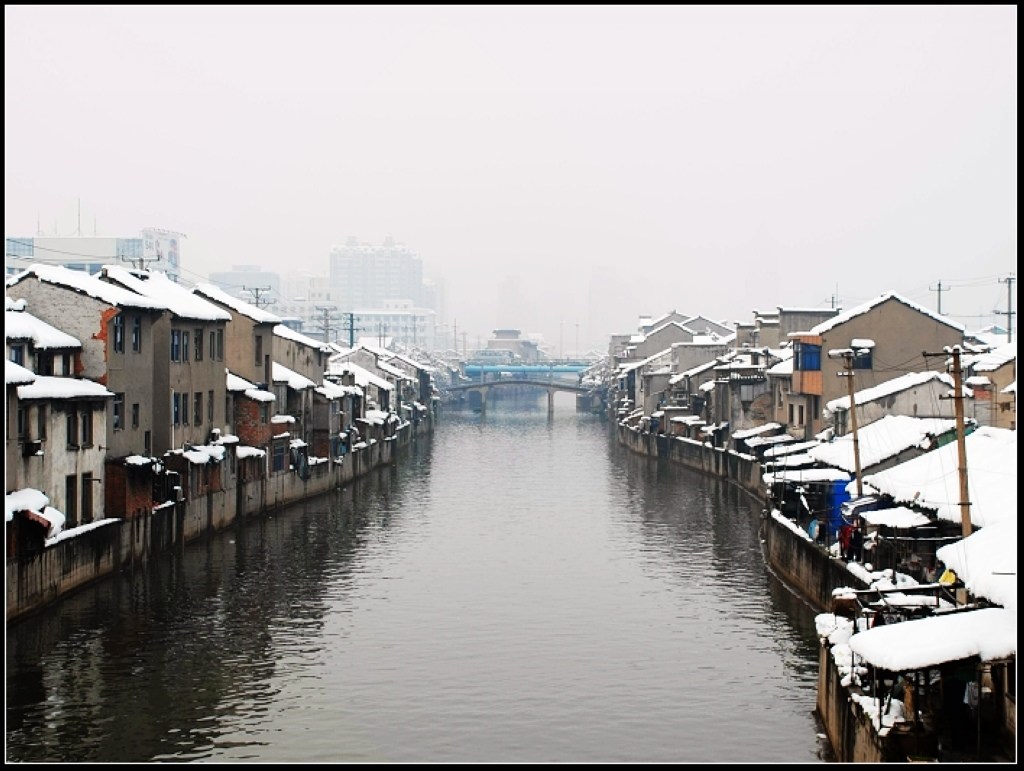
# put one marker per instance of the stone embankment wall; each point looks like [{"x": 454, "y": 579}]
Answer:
[{"x": 38, "y": 580}]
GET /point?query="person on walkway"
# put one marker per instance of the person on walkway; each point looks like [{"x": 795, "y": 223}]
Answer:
[
  {"x": 857, "y": 541},
  {"x": 845, "y": 535}
]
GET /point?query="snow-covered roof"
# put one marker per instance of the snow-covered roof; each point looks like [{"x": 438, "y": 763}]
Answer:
[
  {"x": 180, "y": 301},
  {"x": 50, "y": 387},
  {"x": 295, "y": 381},
  {"x": 806, "y": 475},
  {"x": 893, "y": 386},
  {"x": 27, "y": 499},
  {"x": 22, "y": 325},
  {"x": 756, "y": 431},
  {"x": 885, "y": 438},
  {"x": 248, "y": 310},
  {"x": 363, "y": 376},
  {"x": 332, "y": 390},
  {"x": 931, "y": 481},
  {"x": 80, "y": 281},
  {"x": 992, "y": 360},
  {"x": 986, "y": 561},
  {"x": 17, "y": 374},
  {"x": 989, "y": 633},
  {"x": 290, "y": 334},
  {"x": 236, "y": 384},
  {"x": 860, "y": 310}
]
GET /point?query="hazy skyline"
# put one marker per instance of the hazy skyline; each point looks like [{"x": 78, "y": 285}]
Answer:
[{"x": 563, "y": 169}]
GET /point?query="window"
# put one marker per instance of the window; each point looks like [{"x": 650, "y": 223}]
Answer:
[
  {"x": 184, "y": 409},
  {"x": 184, "y": 346},
  {"x": 198, "y": 409},
  {"x": 119, "y": 333},
  {"x": 258, "y": 348},
  {"x": 17, "y": 354},
  {"x": 279, "y": 458},
  {"x": 175, "y": 345},
  {"x": 118, "y": 411},
  {"x": 71, "y": 424},
  {"x": 213, "y": 345},
  {"x": 147, "y": 443},
  {"x": 800, "y": 415},
  {"x": 264, "y": 412},
  {"x": 807, "y": 357},
  {"x": 41, "y": 422},
  {"x": 70, "y": 501},
  {"x": 176, "y": 409},
  {"x": 137, "y": 334},
  {"x": 199, "y": 345},
  {"x": 86, "y": 497},
  {"x": 220, "y": 345},
  {"x": 22, "y": 420},
  {"x": 44, "y": 363},
  {"x": 86, "y": 425},
  {"x": 209, "y": 407},
  {"x": 862, "y": 358}
]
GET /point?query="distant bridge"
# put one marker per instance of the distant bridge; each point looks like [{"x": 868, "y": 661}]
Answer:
[{"x": 550, "y": 385}]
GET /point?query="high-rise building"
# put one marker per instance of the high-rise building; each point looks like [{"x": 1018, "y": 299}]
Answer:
[{"x": 365, "y": 276}]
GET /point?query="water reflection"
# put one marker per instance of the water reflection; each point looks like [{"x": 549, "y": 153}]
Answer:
[{"x": 518, "y": 589}]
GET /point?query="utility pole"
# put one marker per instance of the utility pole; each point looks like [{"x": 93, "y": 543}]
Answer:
[
  {"x": 328, "y": 311},
  {"x": 848, "y": 355},
  {"x": 938, "y": 288},
  {"x": 961, "y": 444},
  {"x": 255, "y": 291},
  {"x": 352, "y": 329},
  {"x": 1009, "y": 306}
]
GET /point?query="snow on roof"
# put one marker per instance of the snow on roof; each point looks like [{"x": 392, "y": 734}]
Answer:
[
  {"x": 245, "y": 451},
  {"x": 694, "y": 371},
  {"x": 889, "y": 387},
  {"x": 989, "y": 633},
  {"x": 992, "y": 360},
  {"x": 297, "y": 382},
  {"x": 788, "y": 448},
  {"x": 757, "y": 441},
  {"x": 334, "y": 391},
  {"x": 783, "y": 368},
  {"x": 885, "y": 438},
  {"x": 986, "y": 561},
  {"x": 806, "y": 475},
  {"x": 182, "y": 302},
  {"x": 26, "y": 499},
  {"x": 845, "y": 316},
  {"x": 756, "y": 431},
  {"x": 203, "y": 454},
  {"x": 50, "y": 387},
  {"x": 10, "y": 304},
  {"x": 931, "y": 481},
  {"x": 22, "y": 325},
  {"x": 290, "y": 334},
  {"x": 897, "y": 516},
  {"x": 627, "y": 367},
  {"x": 392, "y": 370},
  {"x": 17, "y": 374},
  {"x": 236, "y": 384},
  {"x": 248, "y": 310},
  {"x": 363, "y": 376},
  {"x": 80, "y": 281}
]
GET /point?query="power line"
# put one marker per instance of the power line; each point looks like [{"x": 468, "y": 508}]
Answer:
[{"x": 1009, "y": 306}]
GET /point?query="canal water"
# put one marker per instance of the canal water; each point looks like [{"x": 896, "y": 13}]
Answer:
[{"x": 519, "y": 588}]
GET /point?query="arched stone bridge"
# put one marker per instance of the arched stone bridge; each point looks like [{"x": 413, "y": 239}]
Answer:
[{"x": 551, "y": 386}]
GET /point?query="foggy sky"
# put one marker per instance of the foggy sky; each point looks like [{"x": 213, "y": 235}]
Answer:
[{"x": 563, "y": 169}]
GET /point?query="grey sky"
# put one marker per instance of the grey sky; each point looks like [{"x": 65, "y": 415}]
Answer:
[{"x": 562, "y": 169}]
